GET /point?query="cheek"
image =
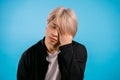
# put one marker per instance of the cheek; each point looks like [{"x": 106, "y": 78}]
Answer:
[{"x": 47, "y": 31}]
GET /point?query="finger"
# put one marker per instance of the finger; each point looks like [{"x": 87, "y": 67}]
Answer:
[{"x": 59, "y": 31}]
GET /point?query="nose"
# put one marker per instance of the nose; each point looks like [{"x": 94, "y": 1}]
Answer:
[{"x": 54, "y": 33}]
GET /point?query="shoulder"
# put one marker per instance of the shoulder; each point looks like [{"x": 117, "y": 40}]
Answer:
[
  {"x": 35, "y": 47},
  {"x": 31, "y": 51},
  {"x": 78, "y": 45}
]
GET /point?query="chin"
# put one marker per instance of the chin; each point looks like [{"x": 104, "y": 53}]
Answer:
[
  {"x": 51, "y": 43},
  {"x": 54, "y": 44}
]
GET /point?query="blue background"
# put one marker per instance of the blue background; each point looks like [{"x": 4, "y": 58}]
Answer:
[{"x": 23, "y": 23}]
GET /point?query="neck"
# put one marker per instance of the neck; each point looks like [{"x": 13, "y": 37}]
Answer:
[{"x": 52, "y": 50}]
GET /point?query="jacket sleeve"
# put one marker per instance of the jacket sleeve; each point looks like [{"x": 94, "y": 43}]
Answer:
[
  {"x": 75, "y": 57},
  {"x": 22, "y": 71}
]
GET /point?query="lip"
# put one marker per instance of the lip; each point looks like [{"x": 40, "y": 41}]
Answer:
[{"x": 52, "y": 39}]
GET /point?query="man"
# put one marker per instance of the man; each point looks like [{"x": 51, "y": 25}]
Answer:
[{"x": 56, "y": 56}]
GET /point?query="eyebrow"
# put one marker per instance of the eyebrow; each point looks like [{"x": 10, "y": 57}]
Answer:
[{"x": 54, "y": 24}]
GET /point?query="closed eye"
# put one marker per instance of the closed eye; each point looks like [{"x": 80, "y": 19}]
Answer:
[{"x": 54, "y": 26}]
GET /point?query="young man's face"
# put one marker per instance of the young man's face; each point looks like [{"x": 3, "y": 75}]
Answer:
[{"x": 52, "y": 34}]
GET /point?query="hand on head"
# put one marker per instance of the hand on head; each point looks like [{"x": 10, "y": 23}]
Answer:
[{"x": 64, "y": 37}]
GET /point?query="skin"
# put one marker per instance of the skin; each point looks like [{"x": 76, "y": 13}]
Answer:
[{"x": 55, "y": 37}]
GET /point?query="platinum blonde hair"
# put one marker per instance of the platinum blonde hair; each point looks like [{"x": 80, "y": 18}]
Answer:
[{"x": 65, "y": 18}]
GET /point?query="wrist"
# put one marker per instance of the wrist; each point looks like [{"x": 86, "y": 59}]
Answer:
[{"x": 62, "y": 44}]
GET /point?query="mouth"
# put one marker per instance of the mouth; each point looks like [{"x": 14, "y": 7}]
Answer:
[{"x": 52, "y": 39}]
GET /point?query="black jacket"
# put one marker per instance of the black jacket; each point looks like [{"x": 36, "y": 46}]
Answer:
[{"x": 72, "y": 60}]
